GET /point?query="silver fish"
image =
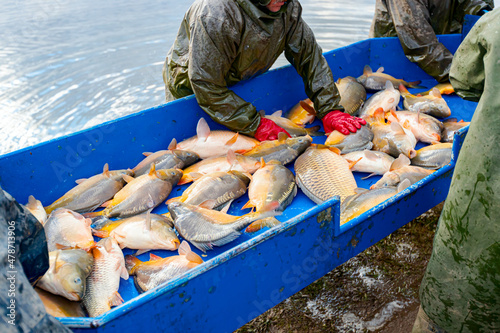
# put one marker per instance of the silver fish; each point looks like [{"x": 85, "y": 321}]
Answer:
[
  {"x": 377, "y": 80},
  {"x": 293, "y": 129},
  {"x": 166, "y": 159},
  {"x": 386, "y": 99},
  {"x": 370, "y": 161},
  {"x": 434, "y": 156},
  {"x": 432, "y": 104},
  {"x": 352, "y": 94},
  {"x": 66, "y": 228},
  {"x": 424, "y": 127},
  {"x": 284, "y": 149},
  {"x": 401, "y": 170},
  {"x": 450, "y": 127},
  {"x": 360, "y": 140}
]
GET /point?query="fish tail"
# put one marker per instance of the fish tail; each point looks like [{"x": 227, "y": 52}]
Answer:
[
  {"x": 131, "y": 263},
  {"x": 100, "y": 233},
  {"x": 94, "y": 214},
  {"x": 415, "y": 84},
  {"x": 259, "y": 224},
  {"x": 186, "y": 178},
  {"x": 176, "y": 199},
  {"x": 314, "y": 131}
]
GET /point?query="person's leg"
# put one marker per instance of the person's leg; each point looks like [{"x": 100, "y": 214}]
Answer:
[{"x": 423, "y": 324}]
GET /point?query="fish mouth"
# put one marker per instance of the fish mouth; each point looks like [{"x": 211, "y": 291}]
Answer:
[
  {"x": 412, "y": 153},
  {"x": 74, "y": 296},
  {"x": 176, "y": 243}
]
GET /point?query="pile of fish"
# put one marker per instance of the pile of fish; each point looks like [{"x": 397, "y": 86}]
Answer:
[{"x": 89, "y": 226}]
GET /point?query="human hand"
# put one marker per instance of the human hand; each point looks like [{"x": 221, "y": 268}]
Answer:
[
  {"x": 268, "y": 130},
  {"x": 342, "y": 122}
]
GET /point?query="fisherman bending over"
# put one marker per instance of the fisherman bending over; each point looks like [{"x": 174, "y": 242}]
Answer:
[{"x": 222, "y": 42}]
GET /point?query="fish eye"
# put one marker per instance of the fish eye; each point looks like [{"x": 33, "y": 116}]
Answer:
[{"x": 78, "y": 280}]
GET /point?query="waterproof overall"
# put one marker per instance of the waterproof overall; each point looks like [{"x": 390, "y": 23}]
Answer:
[
  {"x": 460, "y": 291},
  {"x": 222, "y": 42}
]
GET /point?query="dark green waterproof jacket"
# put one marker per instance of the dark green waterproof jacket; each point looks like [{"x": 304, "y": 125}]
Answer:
[
  {"x": 460, "y": 290},
  {"x": 221, "y": 42},
  {"x": 417, "y": 22}
]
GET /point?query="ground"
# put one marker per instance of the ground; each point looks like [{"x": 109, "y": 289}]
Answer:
[{"x": 376, "y": 291}]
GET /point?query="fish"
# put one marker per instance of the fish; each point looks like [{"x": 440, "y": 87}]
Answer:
[
  {"x": 433, "y": 156},
  {"x": 273, "y": 182},
  {"x": 360, "y": 140},
  {"x": 424, "y": 127},
  {"x": 103, "y": 282},
  {"x": 401, "y": 170},
  {"x": 207, "y": 143},
  {"x": 450, "y": 126},
  {"x": 66, "y": 228},
  {"x": 433, "y": 104},
  {"x": 36, "y": 208},
  {"x": 293, "y": 129},
  {"x": 302, "y": 113},
  {"x": 67, "y": 273},
  {"x": 90, "y": 193},
  {"x": 359, "y": 203},
  {"x": 58, "y": 306},
  {"x": 206, "y": 228},
  {"x": 321, "y": 173},
  {"x": 392, "y": 138},
  {"x": 352, "y": 94},
  {"x": 377, "y": 80},
  {"x": 284, "y": 149},
  {"x": 142, "y": 232},
  {"x": 141, "y": 194},
  {"x": 166, "y": 159},
  {"x": 370, "y": 161},
  {"x": 152, "y": 273},
  {"x": 386, "y": 99},
  {"x": 232, "y": 161},
  {"x": 215, "y": 189},
  {"x": 444, "y": 89}
]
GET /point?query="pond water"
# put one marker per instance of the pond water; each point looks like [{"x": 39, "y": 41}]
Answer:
[{"x": 68, "y": 65}]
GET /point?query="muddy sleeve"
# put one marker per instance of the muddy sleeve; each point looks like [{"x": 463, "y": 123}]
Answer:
[
  {"x": 467, "y": 74},
  {"x": 213, "y": 47},
  {"x": 304, "y": 53},
  {"x": 411, "y": 20}
]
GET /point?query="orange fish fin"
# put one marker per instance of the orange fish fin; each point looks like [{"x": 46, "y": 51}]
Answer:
[
  {"x": 81, "y": 180},
  {"x": 100, "y": 233},
  {"x": 335, "y": 150},
  {"x": 353, "y": 163},
  {"x": 282, "y": 137},
  {"x": 184, "y": 248},
  {"x": 105, "y": 170},
  {"x": 380, "y": 70},
  {"x": 260, "y": 224},
  {"x": 115, "y": 299},
  {"x": 186, "y": 178},
  {"x": 139, "y": 252},
  {"x": 152, "y": 169},
  {"x": 147, "y": 153},
  {"x": 278, "y": 113},
  {"x": 232, "y": 141},
  {"x": 175, "y": 199},
  {"x": 172, "y": 145},
  {"x": 94, "y": 214},
  {"x": 415, "y": 84},
  {"x": 131, "y": 262},
  {"x": 96, "y": 253},
  {"x": 248, "y": 205},
  {"x": 403, "y": 89},
  {"x": 107, "y": 203},
  {"x": 208, "y": 204},
  {"x": 153, "y": 257},
  {"x": 367, "y": 70},
  {"x": 307, "y": 107}
]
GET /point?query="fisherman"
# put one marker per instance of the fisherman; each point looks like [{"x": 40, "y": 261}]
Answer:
[
  {"x": 416, "y": 23},
  {"x": 222, "y": 42},
  {"x": 460, "y": 291}
]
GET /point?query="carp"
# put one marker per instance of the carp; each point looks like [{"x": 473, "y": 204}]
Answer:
[
  {"x": 386, "y": 99},
  {"x": 208, "y": 143},
  {"x": 370, "y": 161},
  {"x": 90, "y": 193},
  {"x": 321, "y": 173},
  {"x": 434, "y": 156},
  {"x": 302, "y": 113},
  {"x": 401, "y": 170},
  {"x": 433, "y": 104},
  {"x": 67, "y": 273},
  {"x": 36, "y": 208},
  {"x": 360, "y": 140},
  {"x": 424, "y": 127},
  {"x": 352, "y": 94},
  {"x": 152, "y": 273},
  {"x": 377, "y": 80},
  {"x": 103, "y": 282},
  {"x": 66, "y": 228},
  {"x": 284, "y": 149},
  {"x": 293, "y": 129}
]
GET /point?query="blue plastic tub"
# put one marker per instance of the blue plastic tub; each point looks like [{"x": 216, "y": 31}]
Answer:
[{"x": 242, "y": 279}]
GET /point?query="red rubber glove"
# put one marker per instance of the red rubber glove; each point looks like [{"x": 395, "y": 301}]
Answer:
[
  {"x": 342, "y": 122},
  {"x": 268, "y": 130}
]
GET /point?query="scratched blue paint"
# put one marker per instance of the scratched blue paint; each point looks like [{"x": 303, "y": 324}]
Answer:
[{"x": 234, "y": 284}]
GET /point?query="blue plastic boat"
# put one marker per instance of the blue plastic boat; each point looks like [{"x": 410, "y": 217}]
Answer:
[{"x": 243, "y": 279}]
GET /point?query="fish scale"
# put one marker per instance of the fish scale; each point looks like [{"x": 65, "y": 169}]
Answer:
[{"x": 323, "y": 174}]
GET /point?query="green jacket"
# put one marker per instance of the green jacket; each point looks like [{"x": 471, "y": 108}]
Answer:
[
  {"x": 221, "y": 42},
  {"x": 461, "y": 287},
  {"x": 417, "y": 22}
]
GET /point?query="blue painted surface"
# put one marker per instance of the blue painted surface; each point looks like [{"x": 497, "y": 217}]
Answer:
[{"x": 240, "y": 280}]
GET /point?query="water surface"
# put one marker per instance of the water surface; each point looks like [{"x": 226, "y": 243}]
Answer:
[{"x": 68, "y": 65}]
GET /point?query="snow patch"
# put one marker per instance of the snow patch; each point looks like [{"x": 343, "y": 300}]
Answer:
[{"x": 352, "y": 322}]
